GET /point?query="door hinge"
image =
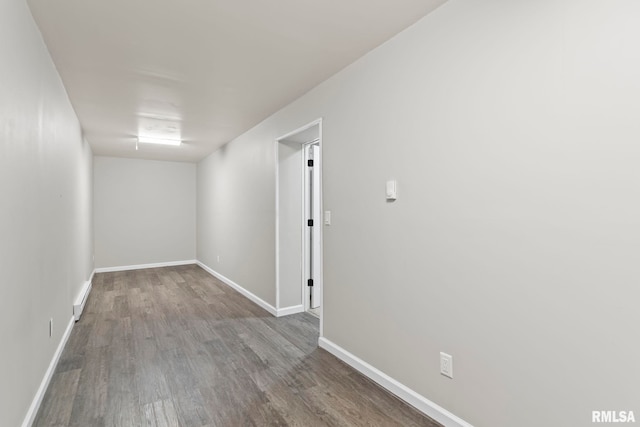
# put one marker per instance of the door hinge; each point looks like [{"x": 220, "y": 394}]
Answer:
[
  {"x": 310, "y": 222},
  {"x": 310, "y": 282},
  {"x": 310, "y": 163}
]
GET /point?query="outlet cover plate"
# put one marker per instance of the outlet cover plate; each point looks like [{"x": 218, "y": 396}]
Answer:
[{"x": 446, "y": 365}]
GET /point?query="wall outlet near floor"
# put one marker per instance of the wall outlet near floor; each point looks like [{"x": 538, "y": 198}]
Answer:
[
  {"x": 446, "y": 365},
  {"x": 50, "y": 327},
  {"x": 218, "y": 258}
]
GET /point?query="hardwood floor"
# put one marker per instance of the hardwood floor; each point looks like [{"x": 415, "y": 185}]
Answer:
[{"x": 175, "y": 347}]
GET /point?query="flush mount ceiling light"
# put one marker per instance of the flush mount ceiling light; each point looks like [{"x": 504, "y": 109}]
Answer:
[{"x": 161, "y": 141}]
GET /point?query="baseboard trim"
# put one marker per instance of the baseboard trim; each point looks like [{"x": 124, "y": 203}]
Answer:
[
  {"x": 37, "y": 399},
  {"x": 414, "y": 399},
  {"x": 143, "y": 266},
  {"x": 82, "y": 297},
  {"x": 290, "y": 310},
  {"x": 257, "y": 300}
]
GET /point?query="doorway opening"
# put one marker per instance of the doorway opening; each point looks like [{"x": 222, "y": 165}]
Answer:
[{"x": 299, "y": 221}]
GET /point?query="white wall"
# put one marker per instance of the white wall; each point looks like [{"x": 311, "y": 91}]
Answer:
[
  {"x": 290, "y": 211},
  {"x": 45, "y": 210},
  {"x": 144, "y": 211},
  {"x": 236, "y": 214},
  {"x": 512, "y": 129}
]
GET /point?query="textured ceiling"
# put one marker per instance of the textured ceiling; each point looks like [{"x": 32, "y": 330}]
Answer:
[{"x": 203, "y": 70}]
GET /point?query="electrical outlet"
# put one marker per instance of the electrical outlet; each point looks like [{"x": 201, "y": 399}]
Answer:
[
  {"x": 218, "y": 258},
  {"x": 50, "y": 327},
  {"x": 446, "y": 365}
]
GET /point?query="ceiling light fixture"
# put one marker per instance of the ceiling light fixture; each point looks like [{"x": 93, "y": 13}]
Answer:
[{"x": 161, "y": 141}]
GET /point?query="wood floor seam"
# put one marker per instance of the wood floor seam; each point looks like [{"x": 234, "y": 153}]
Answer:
[{"x": 175, "y": 347}]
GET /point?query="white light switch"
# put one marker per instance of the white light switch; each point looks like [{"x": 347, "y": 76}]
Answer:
[
  {"x": 392, "y": 190},
  {"x": 327, "y": 217}
]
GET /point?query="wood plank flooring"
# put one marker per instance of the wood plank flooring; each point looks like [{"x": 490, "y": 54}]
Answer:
[{"x": 175, "y": 347}]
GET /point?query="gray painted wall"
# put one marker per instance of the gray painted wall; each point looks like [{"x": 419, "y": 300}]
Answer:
[
  {"x": 45, "y": 212},
  {"x": 511, "y": 127},
  {"x": 145, "y": 211}
]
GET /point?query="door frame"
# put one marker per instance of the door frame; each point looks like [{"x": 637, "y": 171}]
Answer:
[{"x": 317, "y": 122}]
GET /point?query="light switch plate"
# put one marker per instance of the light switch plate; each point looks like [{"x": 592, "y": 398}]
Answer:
[{"x": 392, "y": 190}]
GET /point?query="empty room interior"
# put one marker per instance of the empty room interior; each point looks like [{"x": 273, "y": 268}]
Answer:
[{"x": 416, "y": 213}]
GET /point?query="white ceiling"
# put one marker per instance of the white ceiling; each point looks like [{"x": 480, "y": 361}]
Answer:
[{"x": 203, "y": 70}]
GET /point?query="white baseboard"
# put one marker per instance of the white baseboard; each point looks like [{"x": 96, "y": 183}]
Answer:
[
  {"x": 143, "y": 266},
  {"x": 414, "y": 399},
  {"x": 290, "y": 310},
  {"x": 82, "y": 297},
  {"x": 37, "y": 400},
  {"x": 262, "y": 303}
]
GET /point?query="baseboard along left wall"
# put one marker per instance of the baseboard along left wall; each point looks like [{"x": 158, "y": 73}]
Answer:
[{"x": 78, "y": 307}]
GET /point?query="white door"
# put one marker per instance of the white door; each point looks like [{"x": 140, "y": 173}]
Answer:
[{"x": 314, "y": 224}]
